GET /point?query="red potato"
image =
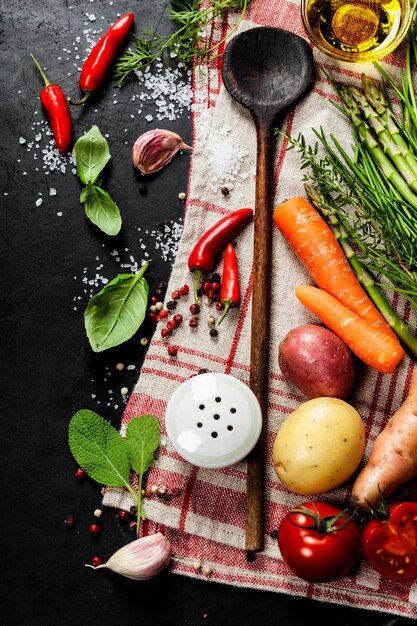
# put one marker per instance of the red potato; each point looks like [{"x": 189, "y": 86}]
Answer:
[
  {"x": 316, "y": 362},
  {"x": 393, "y": 458}
]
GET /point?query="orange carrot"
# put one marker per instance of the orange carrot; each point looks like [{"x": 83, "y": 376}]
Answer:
[
  {"x": 372, "y": 345},
  {"x": 317, "y": 248}
]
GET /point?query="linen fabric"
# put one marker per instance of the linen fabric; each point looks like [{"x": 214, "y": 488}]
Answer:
[{"x": 205, "y": 522}]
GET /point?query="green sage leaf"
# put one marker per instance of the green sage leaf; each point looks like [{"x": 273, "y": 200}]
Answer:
[
  {"x": 142, "y": 439},
  {"x": 102, "y": 210},
  {"x": 99, "y": 449},
  {"x": 115, "y": 313},
  {"x": 91, "y": 153}
]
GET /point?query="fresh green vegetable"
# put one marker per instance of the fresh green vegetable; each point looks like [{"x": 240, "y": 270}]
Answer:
[
  {"x": 116, "y": 312},
  {"x": 101, "y": 209},
  {"x": 91, "y": 153},
  {"x": 187, "y": 42},
  {"x": 142, "y": 438},
  {"x": 107, "y": 457},
  {"x": 99, "y": 449}
]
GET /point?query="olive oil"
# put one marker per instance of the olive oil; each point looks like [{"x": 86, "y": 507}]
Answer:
[{"x": 355, "y": 26}]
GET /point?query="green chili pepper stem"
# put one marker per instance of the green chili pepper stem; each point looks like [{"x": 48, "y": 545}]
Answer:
[
  {"x": 227, "y": 304},
  {"x": 85, "y": 97},
  {"x": 197, "y": 276},
  {"x": 42, "y": 73}
]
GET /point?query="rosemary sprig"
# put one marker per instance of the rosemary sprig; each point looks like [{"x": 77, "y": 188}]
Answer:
[{"x": 188, "y": 42}]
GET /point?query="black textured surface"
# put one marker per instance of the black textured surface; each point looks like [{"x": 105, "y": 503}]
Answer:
[{"x": 48, "y": 368}]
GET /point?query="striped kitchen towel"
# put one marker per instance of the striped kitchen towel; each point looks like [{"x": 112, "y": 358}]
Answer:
[{"x": 205, "y": 516}]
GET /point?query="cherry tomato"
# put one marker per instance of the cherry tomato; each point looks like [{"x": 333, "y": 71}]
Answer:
[
  {"x": 390, "y": 545},
  {"x": 318, "y": 541}
]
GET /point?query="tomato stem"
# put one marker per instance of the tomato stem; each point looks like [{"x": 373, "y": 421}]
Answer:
[{"x": 324, "y": 524}]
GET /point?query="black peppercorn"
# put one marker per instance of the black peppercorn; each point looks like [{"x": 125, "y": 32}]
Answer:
[{"x": 213, "y": 332}]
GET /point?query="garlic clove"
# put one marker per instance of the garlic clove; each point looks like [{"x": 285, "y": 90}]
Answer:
[
  {"x": 155, "y": 149},
  {"x": 141, "y": 559}
]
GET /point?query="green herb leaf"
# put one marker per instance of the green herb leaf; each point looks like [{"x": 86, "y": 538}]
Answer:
[
  {"x": 101, "y": 209},
  {"x": 190, "y": 39},
  {"x": 114, "y": 314},
  {"x": 91, "y": 153},
  {"x": 99, "y": 449},
  {"x": 142, "y": 439}
]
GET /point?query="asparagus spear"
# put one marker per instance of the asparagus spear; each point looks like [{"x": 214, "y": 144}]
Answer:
[{"x": 397, "y": 178}]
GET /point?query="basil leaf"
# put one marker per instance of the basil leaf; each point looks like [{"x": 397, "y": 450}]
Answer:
[
  {"x": 99, "y": 449},
  {"x": 101, "y": 210},
  {"x": 115, "y": 313},
  {"x": 91, "y": 153},
  {"x": 142, "y": 439}
]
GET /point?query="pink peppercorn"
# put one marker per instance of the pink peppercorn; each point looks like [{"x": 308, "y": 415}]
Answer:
[
  {"x": 79, "y": 474},
  {"x": 172, "y": 350},
  {"x": 171, "y": 324},
  {"x": 165, "y": 333},
  {"x": 193, "y": 323},
  {"x": 95, "y": 561},
  {"x": 177, "y": 318},
  {"x": 94, "y": 529},
  {"x": 163, "y": 313},
  {"x": 184, "y": 291}
]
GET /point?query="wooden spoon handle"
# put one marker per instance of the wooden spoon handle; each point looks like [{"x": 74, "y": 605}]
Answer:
[{"x": 262, "y": 252}]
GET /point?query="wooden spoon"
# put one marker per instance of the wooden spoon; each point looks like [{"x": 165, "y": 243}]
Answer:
[{"x": 267, "y": 70}]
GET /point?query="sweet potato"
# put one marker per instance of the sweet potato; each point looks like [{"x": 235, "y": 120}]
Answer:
[{"x": 393, "y": 458}]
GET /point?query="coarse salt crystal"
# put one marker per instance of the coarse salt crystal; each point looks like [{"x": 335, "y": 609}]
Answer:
[
  {"x": 149, "y": 118},
  {"x": 52, "y": 191},
  {"x": 39, "y": 202}
]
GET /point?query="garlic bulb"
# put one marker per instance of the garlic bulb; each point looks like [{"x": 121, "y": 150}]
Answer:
[
  {"x": 155, "y": 149},
  {"x": 141, "y": 559}
]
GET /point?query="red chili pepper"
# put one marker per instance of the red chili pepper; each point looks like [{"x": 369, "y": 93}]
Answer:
[
  {"x": 56, "y": 106},
  {"x": 230, "y": 291},
  {"x": 203, "y": 256},
  {"x": 102, "y": 56}
]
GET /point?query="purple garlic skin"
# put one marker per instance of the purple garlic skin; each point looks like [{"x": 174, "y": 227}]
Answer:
[
  {"x": 141, "y": 559},
  {"x": 155, "y": 149}
]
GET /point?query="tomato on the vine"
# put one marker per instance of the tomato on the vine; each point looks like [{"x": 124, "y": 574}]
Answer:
[
  {"x": 389, "y": 543},
  {"x": 319, "y": 542}
]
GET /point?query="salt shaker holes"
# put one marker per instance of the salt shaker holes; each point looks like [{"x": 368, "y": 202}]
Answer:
[{"x": 213, "y": 420}]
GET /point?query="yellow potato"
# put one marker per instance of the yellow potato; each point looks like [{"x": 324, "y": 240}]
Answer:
[{"x": 319, "y": 446}]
